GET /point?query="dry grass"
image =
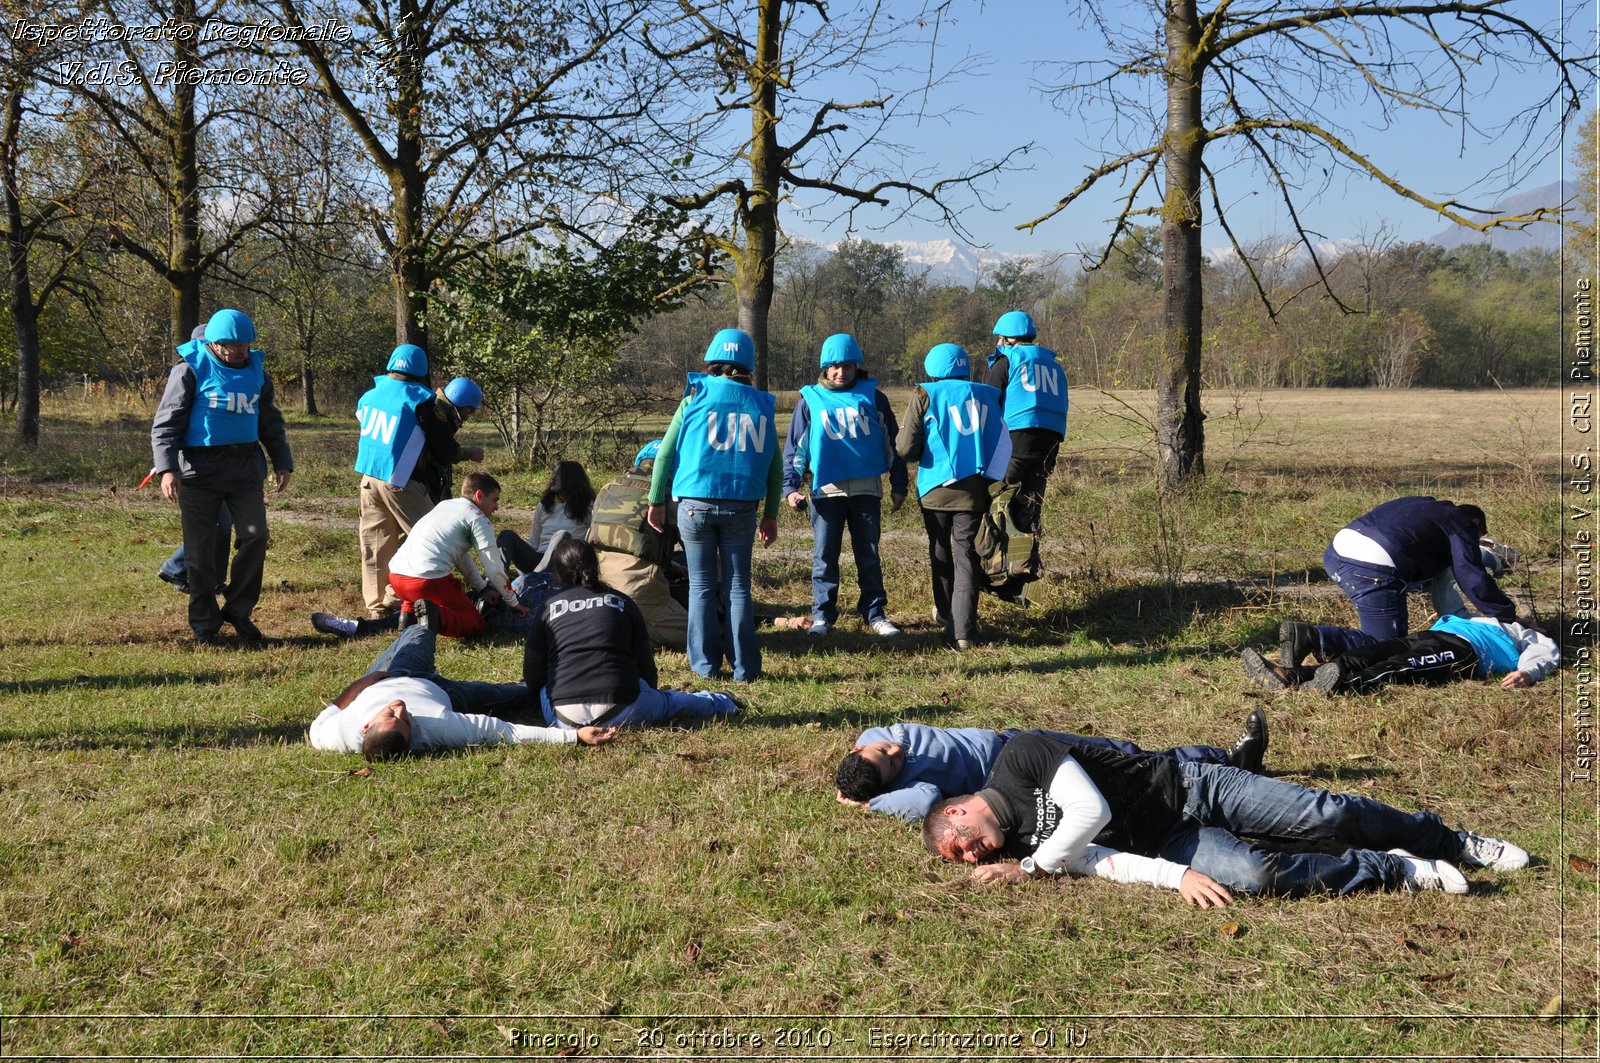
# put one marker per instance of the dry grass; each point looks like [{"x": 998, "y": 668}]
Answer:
[{"x": 173, "y": 851}]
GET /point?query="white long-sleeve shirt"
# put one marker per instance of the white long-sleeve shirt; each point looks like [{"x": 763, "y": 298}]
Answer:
[
  {"x": 434, "y": 724},
  {"x": 445, "y": 539},
  {"x": 1084, "y": 814}
]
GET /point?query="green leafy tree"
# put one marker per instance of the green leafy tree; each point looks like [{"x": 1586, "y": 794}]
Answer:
[{"x": 540, "y": 330}]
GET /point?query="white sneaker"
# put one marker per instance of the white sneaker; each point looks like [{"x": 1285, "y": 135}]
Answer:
[
  {"x": 818, "y": 627},
  {"x": 1431, "y": 874},
  {"x": 884, "y": 628},
  {"x": 1492, "y": 853}
]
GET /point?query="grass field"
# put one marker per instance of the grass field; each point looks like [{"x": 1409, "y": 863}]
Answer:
[{"x": 181, "y": 875}]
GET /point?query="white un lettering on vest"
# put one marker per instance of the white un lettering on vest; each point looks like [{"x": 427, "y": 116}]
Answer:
[
  {"x": 1043, "y": 379},
  {"x": 236, "y": 402},
  {"x": 977, "y": 417},
  {"x": 561, "y": 607},
  {"x": 847, "y": 424},
  {"x": 739, "y": 430},
  {"x": 377, "y": 424}
]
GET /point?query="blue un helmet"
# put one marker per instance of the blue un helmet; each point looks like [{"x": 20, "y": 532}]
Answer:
[
  {"x": 841, "y": 349},
  {"x": 731, "y": 345},
  {"x": 647, "y": 453},
  {"x": 409, "y": 359},
  {"x": 947, "y": 361},
  {"x": 1016, "y": 325},
  {"x": 463, "y": 393},
  {"x": 230, "y": 326}
]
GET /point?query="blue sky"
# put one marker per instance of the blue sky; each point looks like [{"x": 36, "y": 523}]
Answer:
[{"x": 1002, "y": 108}]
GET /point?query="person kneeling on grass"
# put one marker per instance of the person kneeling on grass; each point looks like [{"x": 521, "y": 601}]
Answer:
[
  {"x": 905, "y": 769},
  {"x": 1153, "y": 820},
  {"x": 421, "y": 570},
  {"x": 402, "y": 704},
  {"x": 1455, "y": 647},
  {"x": 589, "y": 654}
]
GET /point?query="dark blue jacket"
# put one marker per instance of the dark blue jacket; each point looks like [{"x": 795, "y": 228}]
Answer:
[{"x": 1424, "y": 536}]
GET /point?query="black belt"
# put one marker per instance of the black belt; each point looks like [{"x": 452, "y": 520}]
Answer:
[{"x": 229, "y": 448}]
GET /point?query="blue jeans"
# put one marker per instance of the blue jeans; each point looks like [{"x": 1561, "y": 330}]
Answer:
[
  {"x": 1202, "y": 754},
  {"x": 1379, "y": 595},
  {"x": 1222, "y": 803},
  {"x": 719, "y": 535},
  {"x": 863, "y": 515},
  {"x": 655, "y": 706},
  {"x": 412, "y": 654}
]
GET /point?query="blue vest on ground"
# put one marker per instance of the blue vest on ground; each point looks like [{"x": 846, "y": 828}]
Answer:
[
  {"x": 1036, "y": 391},
  {"x": 225, "y": 399},
  {"x": 846, "y": 436},
  {"x": 391, "y": 437},
  {"x": 1497, "y": 651},
  {"x": 964, "y": 429},
  {"x": 726, "y": 439}
]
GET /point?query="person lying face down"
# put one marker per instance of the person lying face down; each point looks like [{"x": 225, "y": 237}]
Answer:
[{"x": 903, "y": 769}]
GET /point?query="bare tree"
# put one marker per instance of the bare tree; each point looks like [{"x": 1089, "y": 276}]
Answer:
[
  {"x": 1272, "y": 82},
  {"x": 163, "y": 102},
  {"x": 487, "y": 120},
  {"x": 757, "y": 62},
  {"x": 37, "y": 224}
]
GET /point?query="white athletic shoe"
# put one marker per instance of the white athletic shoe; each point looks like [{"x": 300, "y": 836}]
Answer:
[
  {"x": 819, "y": 627},
  {"x": 1431, "y": 874},
  {"x": 1492, "y": 853},
  {"x": 884, "y": 628}
]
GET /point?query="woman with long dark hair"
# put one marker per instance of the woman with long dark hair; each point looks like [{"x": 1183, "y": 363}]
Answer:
[{"x": 589, "y": 657}]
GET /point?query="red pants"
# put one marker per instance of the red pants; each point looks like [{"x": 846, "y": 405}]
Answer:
[{"x": 458, "y": 619}]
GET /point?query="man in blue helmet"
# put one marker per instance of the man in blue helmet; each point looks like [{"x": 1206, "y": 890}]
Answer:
[
  {"x": 1033, "y": 394},
  {"x": 393, "y": 495},
  {"x": 843, "y": 430},
  {"x": 953, "y": 429},
  {"x": 215, "y": 415},
  {"x": 720, "y": 459}
]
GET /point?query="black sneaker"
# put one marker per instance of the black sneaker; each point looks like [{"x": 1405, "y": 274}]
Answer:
[
  {"x": 206, "y": 638},
  {"x": 1250, "y": 751},
  {"x": 427, "y": 614},
  {"x": 178, "y": 583},
  {"x": 1296, "y": 642},
  {"x": 329, "y": 624}
]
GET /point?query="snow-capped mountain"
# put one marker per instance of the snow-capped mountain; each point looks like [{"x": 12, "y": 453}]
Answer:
[{"x": 948, "y": 262}]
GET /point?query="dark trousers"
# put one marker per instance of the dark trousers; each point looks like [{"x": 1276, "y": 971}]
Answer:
[
  {"x": 1030, "y": 471},
  {"x": 955, "y": 565},
  {"x": 515, "y": 549},
  {"x": 200, "y": 507},
  {"x": 1421, "y": 657}
]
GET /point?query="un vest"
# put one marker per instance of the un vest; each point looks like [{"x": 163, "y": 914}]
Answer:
[
  {"x": 846, "y": 437},
  {"x": 225, "y": 399},
  {"x": 391, "y": 438},
  {"x": 964, "y": 428},
  {"x": 1036, "y": 390},
  {"x": 1497, "y": 652},
  {"x": 726, "y": 440},
  {"x": 617, "y": 521}
]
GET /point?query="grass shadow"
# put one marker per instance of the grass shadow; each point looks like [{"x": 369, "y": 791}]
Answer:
[
  {"x": 110, "y": 682},
  {"x": 184, "y": 737}
]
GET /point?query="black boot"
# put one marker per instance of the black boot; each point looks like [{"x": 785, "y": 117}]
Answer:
[
  {"x": 1296, "y": 642},
  {"x": 1250, "y": 751}
]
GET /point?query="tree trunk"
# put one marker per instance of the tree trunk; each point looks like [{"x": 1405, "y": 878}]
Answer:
[
  {"x": 24, "y": 315},
  {"x": 1180, "y": 434},
  {"x": 412, "y": 273},
  {"x": 760, "y": 210},
  {"x": 308, "y": 383},
  {"x": 183, "y": 259}
]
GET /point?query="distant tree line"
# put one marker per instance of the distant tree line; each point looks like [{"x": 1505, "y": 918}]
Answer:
[{"x": 567, "y": 201}]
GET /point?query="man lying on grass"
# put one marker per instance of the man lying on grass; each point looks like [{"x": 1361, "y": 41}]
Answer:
[
  {"x": 1455, "y": 647},
  {"x": 1149, "y": 819},
  {"x": 904, "y": 769},
  {"x": 402, "y": 704}
]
